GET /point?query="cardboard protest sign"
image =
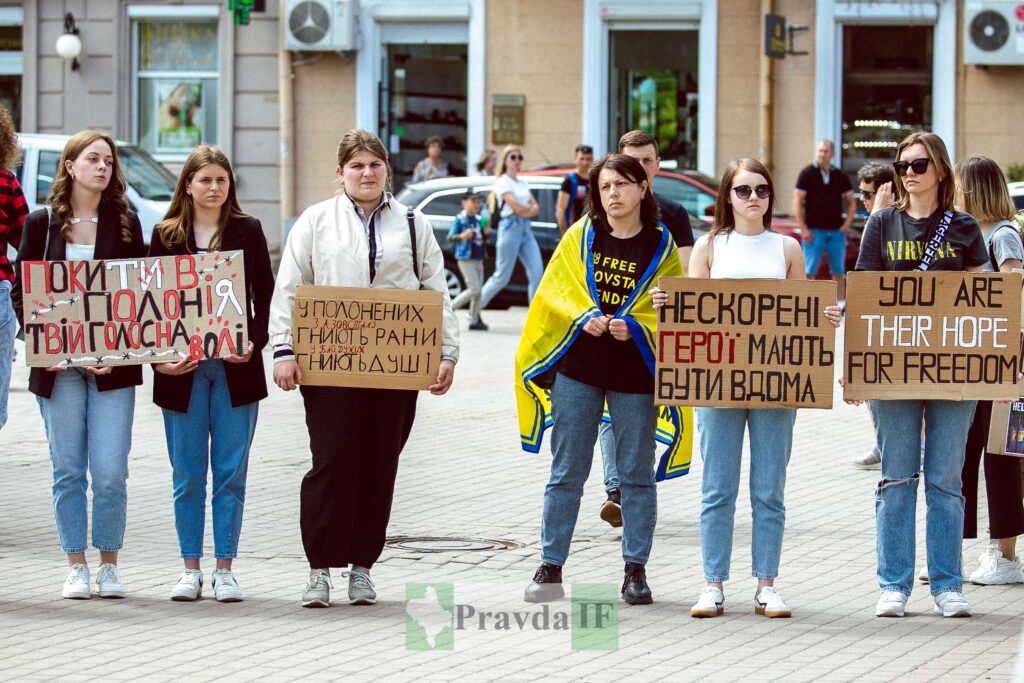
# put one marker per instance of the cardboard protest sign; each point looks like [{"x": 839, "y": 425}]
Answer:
[
  {"x": 377, "y": 338},
  {"x": 134, "y": 311},
  {"x": 1006, "y": 430},
  {"x": 942, "y": 335},
  {"x": 745, "y": 343}
]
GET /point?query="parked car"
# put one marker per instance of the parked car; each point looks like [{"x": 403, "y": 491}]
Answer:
[
  {"x": 1017, "y": 194},
  {"x": 150, "y": 185}
]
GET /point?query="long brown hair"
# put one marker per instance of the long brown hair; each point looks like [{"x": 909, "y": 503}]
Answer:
[
  {"x": 359, "y": 140},
  {"x": 984, "y": 190},
  {"x": 10, "y": 151},
  {"x": 935, "y": 148},
  {"x": 630, "y": 169},
  {"x": 725, "y": 221},
  {"x": 180, "y": 218},
  {"x": 112, "y": 199}
]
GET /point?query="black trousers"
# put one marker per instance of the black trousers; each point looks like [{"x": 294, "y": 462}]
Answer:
[
  {"x": 355, "y": 436},
  {"x": 1002, "y": 482}
]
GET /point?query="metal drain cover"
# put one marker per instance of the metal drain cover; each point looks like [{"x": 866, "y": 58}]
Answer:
[{"x": 441, "y": 544}]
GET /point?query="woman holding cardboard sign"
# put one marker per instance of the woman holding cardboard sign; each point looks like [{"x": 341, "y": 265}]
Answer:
[
  {"x": 210, "y": 406},
  {"x": 88, "y": 411},
  {"x": 360, "y": 238},
  {"x": 923, "y": 214},
  {"x": 981, "y": 191},
  {"x": 741, "y": 244}
]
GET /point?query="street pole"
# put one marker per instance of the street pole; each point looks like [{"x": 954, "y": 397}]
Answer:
[
  {"x": 767, "y": 130},
  {"x": 286, "y": 164}
]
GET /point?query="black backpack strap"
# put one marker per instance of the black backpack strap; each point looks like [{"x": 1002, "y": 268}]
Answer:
[{"x": 412, "y": 240}]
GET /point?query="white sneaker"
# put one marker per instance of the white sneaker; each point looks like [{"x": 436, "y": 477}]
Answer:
[
  {"x": 769, "y": 602},
  {"x": 994, "y": 569},
  {"x": 225, "y": 587},
  {"x": 711, "y": 603},
  {"x": 189, "y": 586},
  {"x": 922, "y": 575},
  {"x": 76, "y": 586},
  {"x": 891, "y": 604},
  {"x": 952, "y": 604},
  {"x": 871, "y": 461},
  {"x": 108, "y": 581},
  {"x": 318, "y": 589}
]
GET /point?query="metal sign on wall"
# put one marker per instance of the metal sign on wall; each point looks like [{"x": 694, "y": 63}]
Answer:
[
  {"x": 508, "y": 119},
  {"x": 774, "y": 36}
]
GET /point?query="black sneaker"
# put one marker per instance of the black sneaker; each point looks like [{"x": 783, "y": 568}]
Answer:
[
  {"x": 635, "y": 590},
  {"x": 546, "y": 585},
  {"x": 611, "y": 510},
  {"x": 478, "y": 325}
]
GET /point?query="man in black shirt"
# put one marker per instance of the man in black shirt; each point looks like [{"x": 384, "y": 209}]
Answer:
[
  {"x": 822, "y": 192},
  {"x": 572, "y": 196}
]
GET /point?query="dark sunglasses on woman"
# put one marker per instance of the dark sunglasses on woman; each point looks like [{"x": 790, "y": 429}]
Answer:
[
  {"x": 919, "y": 166},
  {"x": 515, "y": 157},
  {"x": 743, "y": 191}
]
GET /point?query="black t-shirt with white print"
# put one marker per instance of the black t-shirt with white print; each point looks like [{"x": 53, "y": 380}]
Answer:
[{"x": 893, "y": 240}]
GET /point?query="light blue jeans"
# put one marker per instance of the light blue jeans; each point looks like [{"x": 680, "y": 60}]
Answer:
[
  {"x": 899, "y": 437},
  {"x": 8, "y": 328},
  {"x": 607, "y": 439},
  {"x": 515, "y": 241},
  {"x": 577, "y": 409},
  {"x": 212, "y": 436},
  {"x": 88, "y": 430},
  {"x": 721, "y": 444}
]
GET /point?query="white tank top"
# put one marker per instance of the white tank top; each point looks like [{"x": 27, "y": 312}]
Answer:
[{"x": 735, "y": 256}]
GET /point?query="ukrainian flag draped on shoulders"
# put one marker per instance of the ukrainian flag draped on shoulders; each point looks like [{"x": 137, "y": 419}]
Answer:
[{"x": 565, "y": 300}]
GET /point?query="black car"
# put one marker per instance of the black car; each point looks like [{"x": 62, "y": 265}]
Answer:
[{"x": 440, "y": 201}]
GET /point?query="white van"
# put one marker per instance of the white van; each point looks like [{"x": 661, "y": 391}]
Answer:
[{"x": 150, "y": 185}]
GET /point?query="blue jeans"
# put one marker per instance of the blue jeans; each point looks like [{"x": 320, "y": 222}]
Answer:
[
  {"x": 899, "y": 437},
  {"x": 607, "y": 439},
  {"x": 213, "y": 436},
  {"x": 721, "y": 444},
  {"x": 8, "y": 328},
  {"x": 515, "y": 241},
  {"x": 830, "y": 243},
  {"x": 577, "y": 408},
  {"x": 88, "y": 430}
]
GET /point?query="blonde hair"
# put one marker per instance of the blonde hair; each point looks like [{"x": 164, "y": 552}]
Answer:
[
  {"x": 935, "y": 148},
  {"x": 359, "y": 140},
  {"x": 112, "y": 198},
  {"x": 503, "y": 159},
  {"x": 180, "y": 218},
  {"x": 984, "y": 190}
]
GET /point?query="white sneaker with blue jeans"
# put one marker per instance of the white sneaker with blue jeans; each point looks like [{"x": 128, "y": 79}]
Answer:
[
  {"x": 76, "y": 585},
  {"x": 108, "y": 581},
  {"x": 952, "y": 604}
]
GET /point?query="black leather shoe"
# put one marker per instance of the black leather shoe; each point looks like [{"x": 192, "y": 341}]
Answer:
[
  {"x": 635, "y": 590},
  {"x": 611, "y": 510},
  {"x": 546, "y": 585}
]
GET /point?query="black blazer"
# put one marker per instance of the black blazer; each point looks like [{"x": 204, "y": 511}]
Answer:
[
  {"x": 41, "y": 240},
  {"x": 246, "y": 381}
]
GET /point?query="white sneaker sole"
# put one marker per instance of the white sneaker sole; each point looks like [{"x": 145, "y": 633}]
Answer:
[
  {"x": 895, "y": 612},
  {"x": 866, "y": 466},
  {"x": 112, "y": 593},
  {"x": 237, "y": 597},
  {"x": 186, "y": 597},
  {"x": 707, "y": 613},
  {"x": 773, "y": 614},
  {"x": 76, "y": 595},
  {"x": 953, "y": 614},
  {"x": 362, "y": 601},
  {"x": 1000, "y": 581},
  {"x": 315, "y": 603}
]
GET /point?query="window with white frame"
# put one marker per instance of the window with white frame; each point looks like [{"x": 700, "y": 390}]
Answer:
[{"x": 176, "y": 64}]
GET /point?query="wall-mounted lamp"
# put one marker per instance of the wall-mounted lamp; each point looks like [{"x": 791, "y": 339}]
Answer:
[{"x": 69, "y": 45}]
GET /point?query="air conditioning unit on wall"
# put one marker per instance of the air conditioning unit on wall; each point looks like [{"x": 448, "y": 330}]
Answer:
[
  {"x": 320, "y": 25},
  {"x": 994, "y": 32}
]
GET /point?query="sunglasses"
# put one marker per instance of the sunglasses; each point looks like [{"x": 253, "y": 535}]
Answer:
[
  {"x": 867, "y": 194},
  {"x": 919, "y": 165},
  {"x": 743, "y": 191},
  {"x": 515, "y": 157}
]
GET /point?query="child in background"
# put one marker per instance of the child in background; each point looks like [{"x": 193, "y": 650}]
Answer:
[{"x": 469, "y": 233}]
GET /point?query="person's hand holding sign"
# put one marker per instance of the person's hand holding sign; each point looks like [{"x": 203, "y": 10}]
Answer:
[
  {"x": 658, "y": 296},
  {"x": 182, "y": 367},
  {"x": 287, "y": 375},
  {"x": 619, "y": 330},
  {"x": 445, "y": 375},
  {"x": 235, "y": 358},
  {"x": 100, "y": 370}
]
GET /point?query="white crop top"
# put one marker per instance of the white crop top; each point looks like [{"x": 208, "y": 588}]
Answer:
[
  {"x": 735, "y": 256},
  {"x": 79, "y": 252}
]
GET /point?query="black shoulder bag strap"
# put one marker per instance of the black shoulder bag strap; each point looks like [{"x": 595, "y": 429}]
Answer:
[
  {"x": 412, "y": 240},
  {"x": 935, "y": 242}
]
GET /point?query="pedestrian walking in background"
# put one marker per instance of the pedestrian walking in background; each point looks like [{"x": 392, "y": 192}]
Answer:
[
  {"x": 588, "y": 337},
  {"x": 981, "y": 192},
  {"x": 741, "y": 244},
  {"x": 469, "y": 233},
  {"x": 511, "y": 207},
  {"x": 822, "y": 194},
  {"x": 923, "y": 214},
  {"x": 572, "y": 195},
  {"x": 432, "y": 166},
  {"x": 360, "y": 238},
  {"x": 210, "y": 406},
  {"x": 88, "y": 411},
  {"x": 13, "y": 209}
]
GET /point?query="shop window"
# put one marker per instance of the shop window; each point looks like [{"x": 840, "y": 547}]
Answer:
[
  {"x": 11, "y": 70},
  {"x": 176, "y": 67},
  {"x": 46, "y": 173},
  {"x": 887, "y": 90},
  {"x": 653, "y": 87},
  {"x": 425, "y": 94}
]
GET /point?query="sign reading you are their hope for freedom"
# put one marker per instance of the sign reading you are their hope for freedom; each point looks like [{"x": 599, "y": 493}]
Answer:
[
  {"x": 942, "y": 335},
  {"x": 745, "y": 343},
  {"x": 362, "y": 337},
  {"x": 134, "y": 311}
]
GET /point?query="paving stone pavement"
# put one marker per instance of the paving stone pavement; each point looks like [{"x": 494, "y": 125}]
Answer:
[{"x": 463, "y": 474}]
